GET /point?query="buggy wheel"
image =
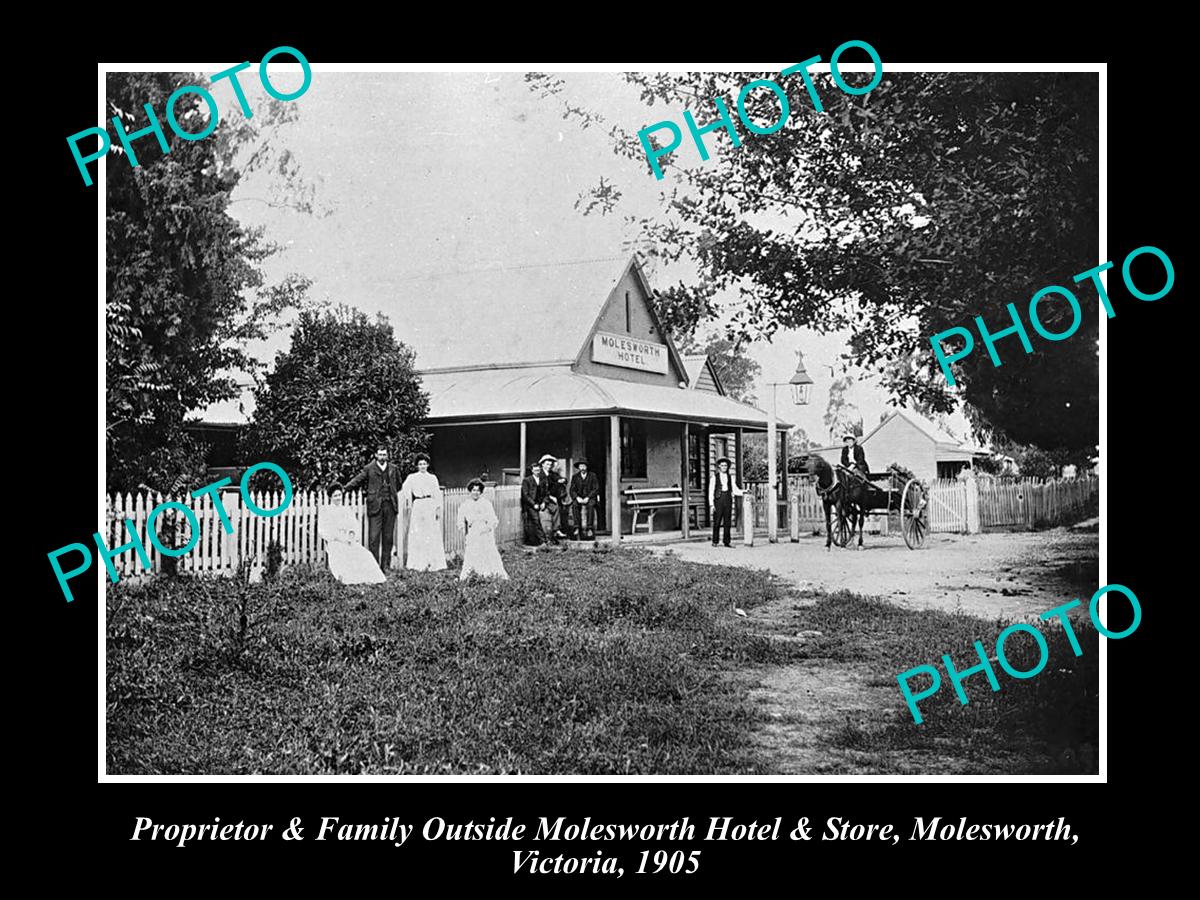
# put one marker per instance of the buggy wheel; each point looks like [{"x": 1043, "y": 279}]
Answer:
[
  {"x": 843, "y": 524},
  {"x": 914, "y": 514}
]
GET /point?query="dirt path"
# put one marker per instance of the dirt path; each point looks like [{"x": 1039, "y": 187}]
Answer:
[
  {"x": 993, "y": 576},
  {"x": 996, "y": 575}
]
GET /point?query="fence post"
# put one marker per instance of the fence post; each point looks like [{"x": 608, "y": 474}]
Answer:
[
  {"x": 232, "y": 502},
  {"x": 972, "y": 485},
  {"x": 794, "y": 514},
  {"x": 748, "y": 518}
]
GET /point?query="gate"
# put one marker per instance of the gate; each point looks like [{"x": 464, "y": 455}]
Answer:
[{"x": 948, "y": 505}]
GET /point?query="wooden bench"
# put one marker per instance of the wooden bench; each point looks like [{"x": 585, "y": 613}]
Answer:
[{"x": 651, "y": 501}]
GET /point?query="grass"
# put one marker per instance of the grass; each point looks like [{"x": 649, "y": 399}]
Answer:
[
  {"x": 589, "y": 663},
  {"x": 1047, "y": 724},
  {"x": 583, "y": 663}
]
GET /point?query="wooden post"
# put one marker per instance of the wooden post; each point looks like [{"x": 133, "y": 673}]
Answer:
[
  {"x": 772, "y": 473},
  {"x": 524, "y": 471},
  {"x": 614, "y": 477},
  {"x": 685, "y": 481},
  {"x": 748, "y": 519},
  {"x": 738, "y": 466},
  {"x": 972, "y": 490},
  {"x": 231, "y": 501}
]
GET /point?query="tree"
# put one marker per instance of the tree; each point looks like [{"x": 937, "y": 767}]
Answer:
[
  {"x": 185, "y": 292},
  {"x": 842, "y": 415},
  {"x": 736, "y": 370},
  {"x": 343, "y": 387},
  {"x": 896, "y": 214}
]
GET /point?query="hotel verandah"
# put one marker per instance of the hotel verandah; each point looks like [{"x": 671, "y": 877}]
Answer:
[{"x": 570, "y": 359}]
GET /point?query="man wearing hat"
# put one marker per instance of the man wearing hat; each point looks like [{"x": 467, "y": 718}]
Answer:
[
  {"x": 853, "y": 456},
  {"x": 554, "y": 496},
  {"x": 722, "y": 488},
  {"x": 533, "y": 501},
  {"x": 584, "y": 494}
]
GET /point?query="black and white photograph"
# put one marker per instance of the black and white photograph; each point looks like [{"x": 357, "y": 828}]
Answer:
[{"x": 634, "y": 421}]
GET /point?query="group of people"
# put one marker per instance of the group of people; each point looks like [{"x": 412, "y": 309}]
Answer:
[
  {"x": 352, "y": 563},
  {"x": 549, "y": 503}
]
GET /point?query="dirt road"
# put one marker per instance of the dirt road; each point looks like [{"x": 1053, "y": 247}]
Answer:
[{"x": 994, "y": 575}]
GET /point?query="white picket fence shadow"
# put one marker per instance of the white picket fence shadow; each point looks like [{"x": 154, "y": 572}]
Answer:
[{"x": 294, "y": 529}]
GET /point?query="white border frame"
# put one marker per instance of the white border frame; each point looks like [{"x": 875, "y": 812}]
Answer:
[{"x": 101, "y": 183}]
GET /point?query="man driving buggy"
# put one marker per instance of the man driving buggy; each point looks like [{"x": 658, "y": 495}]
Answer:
[{"x": 853, "y": 456}]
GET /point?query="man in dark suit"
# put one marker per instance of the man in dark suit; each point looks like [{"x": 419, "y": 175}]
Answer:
[
  {"x": 853, "y": 456},
  {"x": 585, "y": 494},
  {"x": 722, "y": 488},
  {"x": 533, "y": 500},
  {"x": 555, "y": 497},
  {"x": 383, "y": 483}
]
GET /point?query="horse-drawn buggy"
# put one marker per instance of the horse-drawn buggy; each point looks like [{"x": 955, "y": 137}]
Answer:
[{"x": 857, "y": 496}]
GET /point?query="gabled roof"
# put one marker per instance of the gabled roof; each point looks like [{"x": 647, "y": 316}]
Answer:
[
  {"x": 504, "y": 316},
  {"x": 932, "y": 431},
  {"x": 696, "y": 363},
  {"x": 632, "y": 265}
]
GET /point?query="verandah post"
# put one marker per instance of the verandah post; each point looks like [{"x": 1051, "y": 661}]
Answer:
[
  {"x": 685, "y": 479},
  {"x": 614, "y": 477}
]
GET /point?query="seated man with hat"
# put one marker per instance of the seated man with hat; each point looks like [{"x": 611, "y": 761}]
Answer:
[
  {"x": 853, "y": 456},
  {"x": 584, "y": 495},
  {"x": 553, "y": 496}
]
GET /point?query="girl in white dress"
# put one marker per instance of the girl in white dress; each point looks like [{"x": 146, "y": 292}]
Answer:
[
  {"x": 426, "y": 550},
  {"x": 477, "y": 519},
  {"x": 349, "y": 561}
]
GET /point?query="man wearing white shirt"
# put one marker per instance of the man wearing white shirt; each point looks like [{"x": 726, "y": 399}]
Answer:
[{"x": 722, "y": 488}]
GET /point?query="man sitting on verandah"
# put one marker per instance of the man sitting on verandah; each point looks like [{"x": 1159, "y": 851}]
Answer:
[
  {"x": 585, "y": 494},
  {"x": 556, "y": 498}
]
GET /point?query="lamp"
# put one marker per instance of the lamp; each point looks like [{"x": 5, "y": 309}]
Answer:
[
  {"x": 801, "y": 382},
  {"x": 801, "y": 386}
]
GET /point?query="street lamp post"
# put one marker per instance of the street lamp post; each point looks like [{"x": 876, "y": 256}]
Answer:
[{"x": 801, "y": 388}]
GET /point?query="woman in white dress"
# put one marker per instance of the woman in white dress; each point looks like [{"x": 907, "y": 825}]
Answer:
[
  {"x": 349, "y": 561},
  {"x": 426, "y": 550},
  {"x": 477, "y": 519}
]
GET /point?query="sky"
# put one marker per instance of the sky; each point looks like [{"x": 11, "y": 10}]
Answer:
[{"x": 419, "y": 173}]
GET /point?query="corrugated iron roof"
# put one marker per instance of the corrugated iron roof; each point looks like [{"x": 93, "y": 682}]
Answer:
[{"x": 555, "y": 391}]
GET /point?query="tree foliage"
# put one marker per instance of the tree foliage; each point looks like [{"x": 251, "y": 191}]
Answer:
[
  {"x": 896, "y": 214},
  {"x": 185, "y": 291},
  {"x": 842, "y": 415},
  {"x": 737, "y": 371},
  {"x": 343, "y": 387}
]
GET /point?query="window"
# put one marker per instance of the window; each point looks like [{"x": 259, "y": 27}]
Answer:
[
  {"x": 628, "y": 315},
  {"x": 633, "y": 448},
  {"x": 695, "y": 475}
]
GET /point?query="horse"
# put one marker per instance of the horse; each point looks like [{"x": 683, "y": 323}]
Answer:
[
  {"x": 858, "y": 495},
  {"x": 829, "y": 489}
]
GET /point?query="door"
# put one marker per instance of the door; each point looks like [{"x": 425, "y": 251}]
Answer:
[{"x": 595, "y": 444}]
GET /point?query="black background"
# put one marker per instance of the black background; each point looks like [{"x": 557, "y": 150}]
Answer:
[{"x": 54, "y": 723}]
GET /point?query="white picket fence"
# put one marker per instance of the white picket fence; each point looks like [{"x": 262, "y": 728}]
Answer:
[
  {"x": 294, "y": 529},
  {"x": 954, "y": 505}
]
